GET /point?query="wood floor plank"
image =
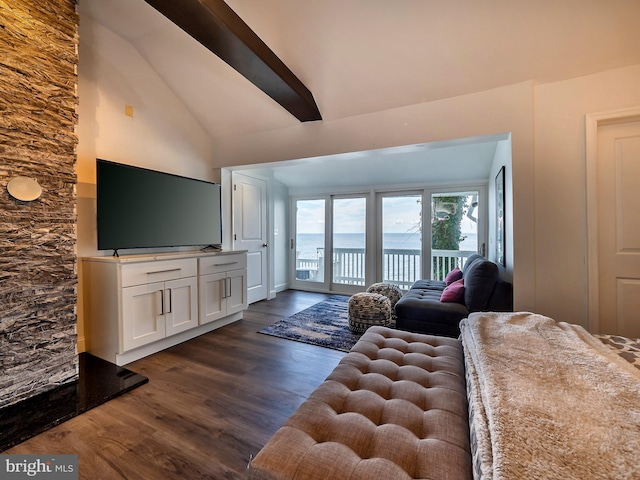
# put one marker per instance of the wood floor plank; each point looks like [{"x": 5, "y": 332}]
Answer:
[{"x": 210, "y": 403}]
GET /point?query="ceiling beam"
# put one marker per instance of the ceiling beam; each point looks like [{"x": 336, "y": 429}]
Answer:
[{"x": 218, "y": 28}]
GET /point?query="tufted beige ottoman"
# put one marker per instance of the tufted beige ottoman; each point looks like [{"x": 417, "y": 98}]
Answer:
[
  {"x": 368, "y": 309},
  {"x": 395, "y": 407}
]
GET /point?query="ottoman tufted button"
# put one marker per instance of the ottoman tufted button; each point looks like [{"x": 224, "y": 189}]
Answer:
[{"x": 368, "y": 309}]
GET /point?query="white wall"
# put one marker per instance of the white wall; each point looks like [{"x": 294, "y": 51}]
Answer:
[
  {"x": 162, "y": 134},
  {"x": 507, "y": 109},
  {"x": 560, "y": 184},
  {"x": 548, "y": 228}
]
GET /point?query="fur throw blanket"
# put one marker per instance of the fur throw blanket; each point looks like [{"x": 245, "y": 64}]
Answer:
[{"x": 548, "y": 401}]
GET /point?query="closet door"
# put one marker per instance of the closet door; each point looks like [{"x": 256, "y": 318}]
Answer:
[
  {"x": 618, "y": 228},
  {"x": 250, "y": 232}
]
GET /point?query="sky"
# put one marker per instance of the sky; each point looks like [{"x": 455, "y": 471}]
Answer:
[{"x": 401, "y": 215}]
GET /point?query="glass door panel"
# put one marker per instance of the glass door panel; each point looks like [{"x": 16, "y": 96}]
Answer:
[
  {"x": 349, "y": 240},
  {"x": 401, "y": 239},
  {"x": 454, "y": 230},
  {"x": 310, "y": 240}
]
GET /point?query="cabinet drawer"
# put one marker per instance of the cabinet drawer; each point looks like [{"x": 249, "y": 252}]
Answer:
[
  {"x": 159, "y": 271},
  {"x": 222, "y": 263}
]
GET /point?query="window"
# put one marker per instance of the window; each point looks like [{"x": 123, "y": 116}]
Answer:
[{"x": 340, "y": 246}]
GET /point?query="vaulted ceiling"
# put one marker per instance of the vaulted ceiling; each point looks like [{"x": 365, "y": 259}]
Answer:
[{"x": 363, "y": 56}]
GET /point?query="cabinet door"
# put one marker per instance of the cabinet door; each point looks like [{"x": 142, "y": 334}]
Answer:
[
  {"x": 142, "y": 318},
  {"x": 211, "y": 293},
  {"x": 236, "y": 291},
  {"x": 181, "y": 305}
]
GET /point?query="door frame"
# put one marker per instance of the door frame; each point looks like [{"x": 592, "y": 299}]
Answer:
[{"x": 592, "y": 122}]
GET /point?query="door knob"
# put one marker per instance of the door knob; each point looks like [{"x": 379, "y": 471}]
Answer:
[{"x": 265, "y": 245}]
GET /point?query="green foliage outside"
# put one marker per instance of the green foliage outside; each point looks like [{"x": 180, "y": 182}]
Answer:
[{"x": 445, "y": 230}]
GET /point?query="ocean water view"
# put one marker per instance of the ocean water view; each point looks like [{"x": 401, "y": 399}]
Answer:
[{"x": 308, "y": 244}]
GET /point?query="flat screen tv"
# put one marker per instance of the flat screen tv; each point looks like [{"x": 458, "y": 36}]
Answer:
[{"x": 141, "y": 208}]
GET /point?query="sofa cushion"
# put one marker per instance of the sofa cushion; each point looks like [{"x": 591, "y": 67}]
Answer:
[
  {"x": 431, "y": 285},
  {"x": 479, "y": 279},
  {"x": 454, "y": 292},
  {"x": 420, "y": 310},
  {"x": 476, "y": 257},
  {"x": 502, "y": 297}
]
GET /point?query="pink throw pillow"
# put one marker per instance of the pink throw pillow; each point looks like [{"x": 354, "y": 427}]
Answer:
[
  {"x": 453, "y": 276},
  {"x": 454, "y": 293}
]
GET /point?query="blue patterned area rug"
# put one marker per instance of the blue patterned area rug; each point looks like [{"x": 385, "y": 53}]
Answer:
[{"x": 324, "y": 324}]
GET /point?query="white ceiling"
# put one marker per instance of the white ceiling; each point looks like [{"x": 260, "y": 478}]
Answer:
[
  {"x": 363, "y": 56},
  {"x": 438, "y": 163}
]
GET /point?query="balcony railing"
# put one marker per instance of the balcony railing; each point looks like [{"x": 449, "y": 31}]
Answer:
[
  {"x": 399, "y": 266},
  {"x": 443, "y": 261}
]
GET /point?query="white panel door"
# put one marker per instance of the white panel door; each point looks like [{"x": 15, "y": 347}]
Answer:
[
  {"x": 250, "y": 231},
  {"x": 619, "y": 228}
]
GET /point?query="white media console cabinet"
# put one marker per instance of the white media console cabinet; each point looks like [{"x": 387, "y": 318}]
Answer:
[{"x": 137, "y": 305}]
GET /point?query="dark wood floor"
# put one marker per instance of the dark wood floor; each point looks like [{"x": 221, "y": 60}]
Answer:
[{"x": 210, "y": 403}]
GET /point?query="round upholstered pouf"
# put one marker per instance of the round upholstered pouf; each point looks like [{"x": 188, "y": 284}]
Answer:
[
  {"x": 367, "y": 310},
  {"x": 389, "y": 290}
]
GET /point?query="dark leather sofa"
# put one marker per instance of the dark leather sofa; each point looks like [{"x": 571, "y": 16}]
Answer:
[{"x": 420, "y": 309}]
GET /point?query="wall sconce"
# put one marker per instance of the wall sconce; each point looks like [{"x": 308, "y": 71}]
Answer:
[{"x": 24, "y": 188}]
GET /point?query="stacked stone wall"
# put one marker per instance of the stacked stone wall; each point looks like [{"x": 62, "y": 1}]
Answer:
[{"x": 38, "y": 279}]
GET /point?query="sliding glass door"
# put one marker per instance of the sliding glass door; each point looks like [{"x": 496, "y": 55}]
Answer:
[
  {"x": 349, "y": 245},
  {"x": 401, "y": 238},
  {"x": 330, "y": 243},
  {"x": 340, "y": 246},
  {"x": 457, "y": 230},
  {"x": 309, "y": 243}
]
